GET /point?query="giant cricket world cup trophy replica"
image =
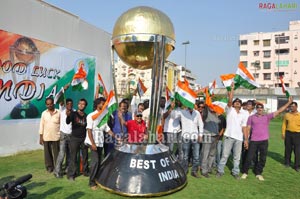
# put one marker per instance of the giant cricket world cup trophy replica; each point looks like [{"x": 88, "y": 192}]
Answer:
[{"x": 143, "y": 38}]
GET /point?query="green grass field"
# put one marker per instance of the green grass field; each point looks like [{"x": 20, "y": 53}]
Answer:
[{"x": 280, "y": 182}]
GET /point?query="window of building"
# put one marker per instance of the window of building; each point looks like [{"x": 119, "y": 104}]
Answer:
[
  {"x": 245, "y": 63},
  {"x": 267, "y": 76},
  {"x": 267, "y": 53},
  {"x": 279, "y": 85},
  {"x": 281, "y": 74},
  {"x": 266, "y": 42},
  {"x": 243, "y": 53},
  {"x": 267, "y": 65},
  {"x": 243, "y": 42},
  {"x": 256, "y": 42},
  {"x": 256, "y": 53},
  {"x": 284, "y": 51},
  {"x": 282, "y": 39},
  {"x": 256, "y": 75},
  {"x": 283, "y": 63}
]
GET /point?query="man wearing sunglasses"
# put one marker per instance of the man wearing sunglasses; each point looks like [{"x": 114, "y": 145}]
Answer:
[
  {"x": 136, "y": 128},
  {"x": 259, "y": 125}
]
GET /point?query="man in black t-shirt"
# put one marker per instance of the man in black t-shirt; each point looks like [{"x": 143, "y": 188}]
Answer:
[{"x": 78, "y": 120}]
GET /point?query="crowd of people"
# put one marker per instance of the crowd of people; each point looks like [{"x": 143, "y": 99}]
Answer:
[{"x": 199, "y": 137}]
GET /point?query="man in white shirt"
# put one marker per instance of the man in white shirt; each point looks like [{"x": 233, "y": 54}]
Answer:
[
  {"x": 95, "y": 139},
  {"x": 192, "y": 132},
  {"x": 172, "y": 130},
  {"x": 65, "y": 134},
  {"x": 234, "y": 135}
]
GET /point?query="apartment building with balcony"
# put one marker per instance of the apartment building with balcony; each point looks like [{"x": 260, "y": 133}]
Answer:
[
  {"x": 273, "y": 54},
  {"x": 127, "y": 77}
]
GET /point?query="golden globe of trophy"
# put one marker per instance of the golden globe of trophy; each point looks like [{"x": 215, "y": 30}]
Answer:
[{"x": 143, "y": 38}]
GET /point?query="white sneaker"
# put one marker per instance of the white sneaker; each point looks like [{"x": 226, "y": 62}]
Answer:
[
  {"x": 244, "y": 176},
  {"x": 260, "y": 177}
]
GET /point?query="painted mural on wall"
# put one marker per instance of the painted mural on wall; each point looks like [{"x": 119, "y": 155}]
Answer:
[{"x": 32, "y": 70}]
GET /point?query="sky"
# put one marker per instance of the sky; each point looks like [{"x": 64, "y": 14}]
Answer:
[{"x": 211, "y": 27}]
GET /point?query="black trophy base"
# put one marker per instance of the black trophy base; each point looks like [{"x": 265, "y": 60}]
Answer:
[{"x": 141, "y": 170}]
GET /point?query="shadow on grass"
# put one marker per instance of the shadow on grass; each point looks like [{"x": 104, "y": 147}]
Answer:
[
  {"x": 276, "y": 156},
  {"x": 75, "y": 195},
  {"x": 35, "y": 184},
  {"x": 46, "y": 193}
]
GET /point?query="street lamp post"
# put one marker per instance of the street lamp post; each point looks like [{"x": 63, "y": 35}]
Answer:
[{"x": 185, "y": 43}]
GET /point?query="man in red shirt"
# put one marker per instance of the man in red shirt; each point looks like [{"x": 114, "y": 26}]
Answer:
[{"x": 136, "y": 129}]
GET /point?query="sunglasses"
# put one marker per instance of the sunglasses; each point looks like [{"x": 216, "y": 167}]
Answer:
[
  {"x": 259, "y": 107},
  {"x": 139, "y": 116}
]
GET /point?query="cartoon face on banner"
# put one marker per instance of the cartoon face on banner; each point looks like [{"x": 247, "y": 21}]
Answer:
[{"x": 32, "y": 70}]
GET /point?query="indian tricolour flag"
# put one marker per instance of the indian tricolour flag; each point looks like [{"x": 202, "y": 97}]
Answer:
[
  {"x": 79, "y": 80},
  {"x": 60, "y": 96},
  {"x": 212, "y": 88},
  {"x": 141, "y": 88},
  {"x": 108, "y": 108},
  {"x": 185, "y": 94},
  {"x": 102, "y": 89},
  {"x": 169, "y": 98},
  {"x": 227, "y": 80},
  {"x": 287, "y": 94},
  {"x": 220, "y": 105},
  {"x": 244, "y": 78}
]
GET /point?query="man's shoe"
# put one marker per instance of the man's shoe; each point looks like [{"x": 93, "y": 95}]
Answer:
[
  {"x": 49, "y": 170},
  {"x": 205, "y": 175},
  {"x": 260, "y": 177},
  {"x": 236, "y": 176},
  {"x": 57, "y": 175},
  {"x": 219, "y": 175},
  {"x": 94, "y": 188},
  {"x": 287, "y": 166},
  {"x": 297, "y": 169},
  {"x": 195, "y": 174},
  {"x": 244, "y": 176},
  {"x": 71, "y": 179}
]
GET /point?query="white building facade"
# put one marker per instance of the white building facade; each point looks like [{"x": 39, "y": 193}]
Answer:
[
  {"x": 127, "y": 78},
  {"x": 271, "y": 55}
]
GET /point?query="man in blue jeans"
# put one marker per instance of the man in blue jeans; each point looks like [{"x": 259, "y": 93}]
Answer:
[
  {"x": 65, "y": 134},
  {"x": 236, "y": 123},
  {"x": 192, "y": 132}
]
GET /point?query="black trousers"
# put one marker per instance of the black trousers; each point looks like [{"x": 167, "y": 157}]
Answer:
[
  {"x": 292, "y": 142},
  {"x": 75, "y": 145},
  {"x": 244, "y": 157},
  {"x": 262, "y": 148},
  {"x": 95, "y": 165},
  {"x": 51, "y": 149}
]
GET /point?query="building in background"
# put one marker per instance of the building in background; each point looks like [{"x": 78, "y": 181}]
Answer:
[
  {"x": 127, "y": 78},
  {"x": 273, "y": 54}
]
